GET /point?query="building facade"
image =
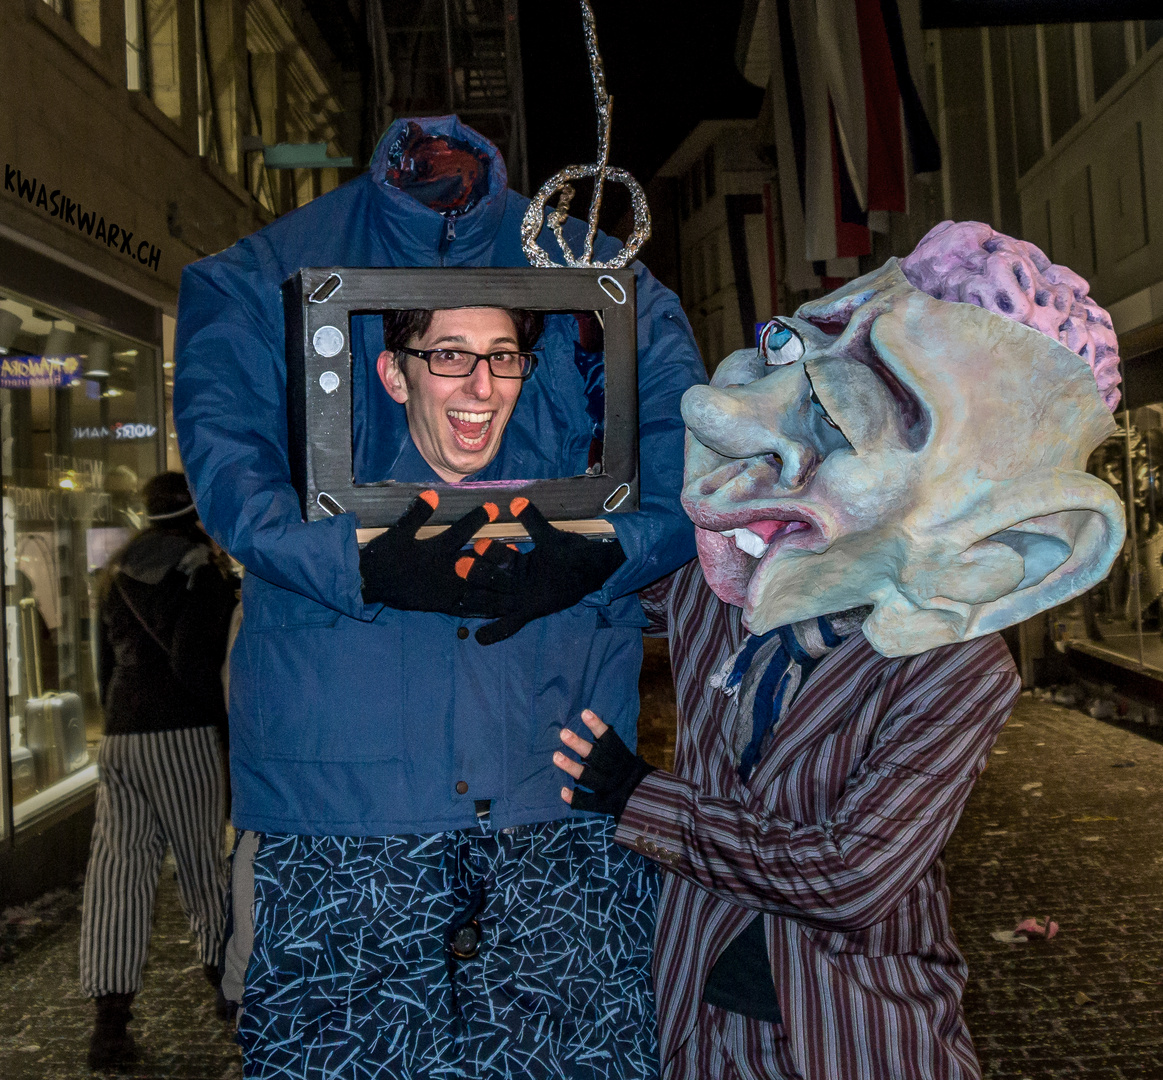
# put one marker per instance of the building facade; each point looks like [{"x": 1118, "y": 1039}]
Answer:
[
  {"x": 132, "y": 137},
  {"x": 712, "y": 208},
  {"x": 1053, "y": 133}
]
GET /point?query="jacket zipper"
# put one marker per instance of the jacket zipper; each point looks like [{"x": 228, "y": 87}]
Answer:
[{"x": 447, "y": 239}]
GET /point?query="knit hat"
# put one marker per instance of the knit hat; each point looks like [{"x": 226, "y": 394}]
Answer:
[{"x": 167, "y": 498}]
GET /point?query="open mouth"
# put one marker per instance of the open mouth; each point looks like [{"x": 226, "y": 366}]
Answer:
[
  {"x": 733, "y": 551},
  {"x": 470, "y": 429},
  {"x": 756, "y": 537}
]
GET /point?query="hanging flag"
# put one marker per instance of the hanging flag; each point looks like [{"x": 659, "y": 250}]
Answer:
[{"x": 846, "y": 106}]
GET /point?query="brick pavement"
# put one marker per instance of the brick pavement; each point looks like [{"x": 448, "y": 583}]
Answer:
[{"x": 1065, "y": 823}]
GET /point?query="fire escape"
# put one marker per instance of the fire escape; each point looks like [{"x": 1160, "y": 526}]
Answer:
[{"x": 463, "y": 57}]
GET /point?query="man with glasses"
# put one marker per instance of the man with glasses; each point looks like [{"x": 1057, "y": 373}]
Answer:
[
  {"x": 458, "y": 374},
  {"x": 406, "y": 869}
]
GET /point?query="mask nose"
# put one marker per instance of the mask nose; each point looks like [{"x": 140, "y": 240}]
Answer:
[{"x": 738, "y": 424}]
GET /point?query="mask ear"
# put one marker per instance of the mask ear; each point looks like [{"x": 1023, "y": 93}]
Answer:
[{"x": 1032, "y": 544}]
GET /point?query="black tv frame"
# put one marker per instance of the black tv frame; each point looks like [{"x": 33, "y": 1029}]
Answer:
[{"x": 319, "y": 387}]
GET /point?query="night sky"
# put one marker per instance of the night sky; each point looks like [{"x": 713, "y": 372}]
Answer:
[{"x": 669, "y": 64}]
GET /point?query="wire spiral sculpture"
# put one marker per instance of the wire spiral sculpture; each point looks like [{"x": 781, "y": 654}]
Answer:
[{"x": 535, "y": 216}]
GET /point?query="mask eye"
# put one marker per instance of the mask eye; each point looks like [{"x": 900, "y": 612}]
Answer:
[{"x": 780, "y": 344}]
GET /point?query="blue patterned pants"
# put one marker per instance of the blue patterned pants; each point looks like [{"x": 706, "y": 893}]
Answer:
[{"x": 352, "y": 973}]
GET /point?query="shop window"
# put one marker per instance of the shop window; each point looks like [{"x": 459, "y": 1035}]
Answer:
[
  {"x": 1121, "y": 619},
  {"x": 79, "y": 434},
  {"x": 84, "y": 16},
  {"x": 151, "y": 53}
]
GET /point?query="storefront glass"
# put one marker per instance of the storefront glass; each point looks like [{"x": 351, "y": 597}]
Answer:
[
  {"x": 79, "y": 435},
  {"x": 1120, "y": 620}
]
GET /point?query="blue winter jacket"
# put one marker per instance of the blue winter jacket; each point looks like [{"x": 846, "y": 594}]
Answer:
[{"x": 354, "y": 719}]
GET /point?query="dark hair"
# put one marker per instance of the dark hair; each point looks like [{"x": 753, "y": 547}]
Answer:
[{"x": 401, "y": 326}]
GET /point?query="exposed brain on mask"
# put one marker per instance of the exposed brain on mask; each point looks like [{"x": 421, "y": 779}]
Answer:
[
  {"x": 969, "y": 262},
  {"x": 909, "y": 444}
]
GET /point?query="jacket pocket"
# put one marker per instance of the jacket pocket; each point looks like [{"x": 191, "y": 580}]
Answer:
[
  {"x": 268, "y": 607},
  {"x": 588, "y": 658},
  {"x": 320, "y": 692}
]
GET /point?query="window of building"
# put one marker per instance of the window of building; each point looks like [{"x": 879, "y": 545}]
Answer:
[
  {"x": 709, "y": 171},
  {"x": 1054, "y": 83},
  {"x": 696, "y": 175},
  {"x": 151, "y": 53},
  {"x": 1108, "y": 55},
  {"x": 208, "y": 136},
  {"x": 1028, "y": 119},
  {"x": 1061, "y": 78},
  {"x": 713, "y": 264},
  {"x": 684, "y": 198},
  {"x": 84, "y": 16},
  {"x": 79, "y": 434},
  {"x": 698, "y": 274}
]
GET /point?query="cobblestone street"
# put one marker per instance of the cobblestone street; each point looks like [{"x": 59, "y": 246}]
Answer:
[
  {"x": 1064, "y": 823},
  {"x": 45, "y": 1021}
]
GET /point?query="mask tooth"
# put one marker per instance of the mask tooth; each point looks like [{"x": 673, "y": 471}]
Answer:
[{"x": 746, "y": 540}]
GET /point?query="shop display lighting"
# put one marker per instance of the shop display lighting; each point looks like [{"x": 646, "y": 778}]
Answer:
[
  {"x": 59, "y": 341},
  {"x": 97, "y": 360}
]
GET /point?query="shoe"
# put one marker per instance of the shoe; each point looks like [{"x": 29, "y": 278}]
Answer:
[
  {"x": 224, "y": 1009},
  {"x": 110, "y": 1044}
]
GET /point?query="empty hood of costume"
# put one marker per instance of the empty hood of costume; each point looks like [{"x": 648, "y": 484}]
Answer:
[{"x": 350, "y": 719}]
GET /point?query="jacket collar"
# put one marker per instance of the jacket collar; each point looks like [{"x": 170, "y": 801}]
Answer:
[{"x": 424, "y": 235}]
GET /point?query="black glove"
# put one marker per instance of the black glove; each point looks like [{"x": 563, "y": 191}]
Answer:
[
  {"x": 611, "y": 773},
  {"x": 434, "y": 574},
  {"x": 561, "y": 569}
]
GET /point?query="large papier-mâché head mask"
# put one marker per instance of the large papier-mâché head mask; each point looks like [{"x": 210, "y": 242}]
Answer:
[{"x": 926, "y": 457}]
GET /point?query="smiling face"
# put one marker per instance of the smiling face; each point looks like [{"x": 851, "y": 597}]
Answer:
[
  {"x": 884, "y": 453},
  {"x": 456, "y": 424}
]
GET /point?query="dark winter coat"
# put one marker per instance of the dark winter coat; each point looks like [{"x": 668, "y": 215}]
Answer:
[
  {"x": 355, "y": 719},
  {"x": 160, "y": 669}
]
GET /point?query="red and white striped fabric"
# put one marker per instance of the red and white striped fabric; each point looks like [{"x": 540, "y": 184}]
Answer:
[
  {"x": 837, "y": 838},
  {"x": 846, "y": 88}
]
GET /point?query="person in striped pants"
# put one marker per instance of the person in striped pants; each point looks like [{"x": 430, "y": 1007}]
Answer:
[{"x": 165, "y": 612}]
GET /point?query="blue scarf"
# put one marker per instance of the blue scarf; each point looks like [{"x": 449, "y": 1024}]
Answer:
[{"x": 767, "y": 671}]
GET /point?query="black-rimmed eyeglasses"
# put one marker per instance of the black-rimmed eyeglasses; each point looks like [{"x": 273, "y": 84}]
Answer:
[{"x": 459, "y": 364}]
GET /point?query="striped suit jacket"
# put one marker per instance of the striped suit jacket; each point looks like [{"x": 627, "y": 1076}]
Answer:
[{"x": 837, "y": 838}]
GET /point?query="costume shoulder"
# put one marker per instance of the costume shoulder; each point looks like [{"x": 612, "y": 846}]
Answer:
[
  {"x": 332, "y": 230},
  {"x": 977, "y": 658}
]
